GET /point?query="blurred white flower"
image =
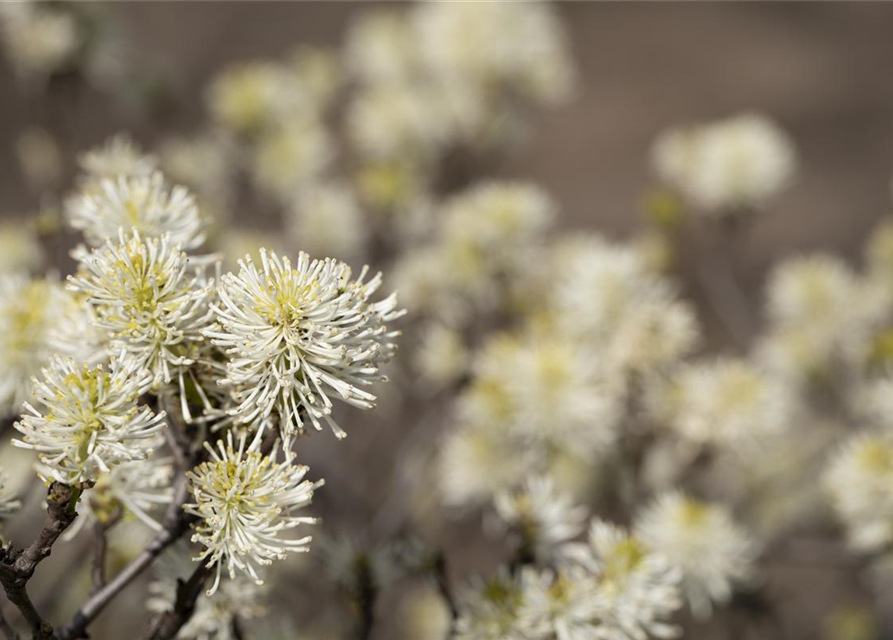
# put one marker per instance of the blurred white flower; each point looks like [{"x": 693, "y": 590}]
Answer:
[
  {"x": 560, "y": 605},
  {"x": 249, "y": 96},
  {"x": 325, "y": 219},
  {"x": 478, "y": 461},
  {"x": 40, "y": 39},
  {"x": 467, "y": 43},
  {"x": 236, "y": 600},
  {"x": 20, "y": 250},
  {"x": 724, "y": 402},
  {"x": 89, "y": 419},
  {"x": 118, "y": 157},
  {"x": 637, "y": 590},
  {"x": 246, "y": 502},
  {"x": 145, "y": 294},
  {"x": 817, "y": 290},
  {"x": 606, "y": 295},
  {"x": 490, "y": 610},
  {"x": 8, "y": 503},
  {"x": 719, "y": 167},
  {"x": 298, "y": 335},
  {"x": 703, "y": 540},
  {"x": 441, "y": 357},
  {"x": 542, "y": 517},
  {"x": 144, "y": 204},
  {"x": 380, "y": 47},
  {"x": 858, "y": 479},
  {"x": 76, "y": 332},
  {"x": 292, "y": 155},
  {"x": 28, "y": 313}
]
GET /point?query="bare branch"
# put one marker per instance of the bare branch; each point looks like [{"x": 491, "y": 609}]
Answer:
[
  {"x": 17, "y": 567},
  {"x": 166, "y": 625}
]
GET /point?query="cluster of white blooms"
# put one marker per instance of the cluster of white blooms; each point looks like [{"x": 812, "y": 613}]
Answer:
[
  {"x": 146, "y": 295},
  {"x": 88, "y": 418},
  {"x": 296, "y": 335},
  {"x": 482, "y": 233},
  {"x": 118, "y": 157},
  {"x": 39, "y": 39},
  {"x": 823, "y": 317},
  {"x": 703, "y": 540},
  {"x": 326, "y": 220},
  {"x": 858, "y": 480},
  {"x": 727, "y": 402},
  {"x": 144, "y": 204},
  {"x": 611, "y": 587},
  {"x": 721, "y": 167},
  {"x": 247, "y": 502},
  {"x": 541, "y": 517},
  {"x": 27, "y": 320},
  {"x": 608, "y": 296}
]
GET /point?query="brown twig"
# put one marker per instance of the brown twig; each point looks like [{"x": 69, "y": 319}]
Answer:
[
  {"x": 100, "y": 547},
  {"x": 17, "y": 566},
  {"x": 167, "y": 625},
  {"x": 443, "y": 585}
]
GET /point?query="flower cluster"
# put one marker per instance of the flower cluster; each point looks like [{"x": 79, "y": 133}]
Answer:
[
  {"x": 246, "y": 501},
  {"x": 88, "y": 418},
  {"x": 296, "y": 335}
]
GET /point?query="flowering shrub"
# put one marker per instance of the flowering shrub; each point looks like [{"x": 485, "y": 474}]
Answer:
[{"x": 562, "y": 454}]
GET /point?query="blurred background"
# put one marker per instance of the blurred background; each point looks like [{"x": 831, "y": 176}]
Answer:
[{"x": 821, "y": 71}]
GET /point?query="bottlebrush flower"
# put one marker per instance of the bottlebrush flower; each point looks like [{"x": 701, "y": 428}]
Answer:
[
  {"x": 145, "y": 294},
  {"x": 140, "y": 203},
  {"x": 246, "y": 501},
  {"x": 89, "y": 418},
  {"x": 297, "y": 335}
]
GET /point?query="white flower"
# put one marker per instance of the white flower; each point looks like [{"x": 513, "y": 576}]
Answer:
[
  {"x": 326, "y": 219},
  {"x": 239, "y": 600},
  {"x": 636, "y": 590},
  {"x": 144, "y": 204},
  {"x": 253, "y": 95},
  {"x": 20, "y": 249},
  {"x": 27, "y": 318},
  {"x": 543, "y": 518},
  {"x": 136, "y": 488},
  {"x": 812, "y": 290},
  {"x": 548, "y": 389},
  {"x": 380, "y": 47},
  {"x": 287, "y": 157},
  {"x": 145, "y": 294},
  {"x": 560, "y": 605},
  {"x": 441, "y": 357},
  {"x": 75, "y": 331},
  {"x": 724, "y": 402},
  {"x": 39, "y": 40},
  {"x": 89, "y": 419},
  {"x": 704, "y": 541},
  {"x": 8, "y": 503},
  {"x": 520, "y": 47},
  {"x": 119, "y": 157},
  {"x": 719, "y": 167},
  {"x": 490, "y": 610},
  {"x": 247, "y": 502},
  {"x": 858, "y": 480},
  {"x": 478, "y": 461},
  {"x": 296, "y": 335},
  {"x": 606, "y": 295}
]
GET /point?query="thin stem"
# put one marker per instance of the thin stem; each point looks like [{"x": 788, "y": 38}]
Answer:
[
  {"x": 167, "y": 625},
  {"x": 443, "y": 586},
  {"x": 175, "y": 525},
  {"x": 100, "y": 546},
  {"x": 17, "y": 567}
]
